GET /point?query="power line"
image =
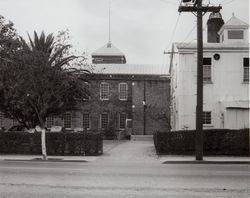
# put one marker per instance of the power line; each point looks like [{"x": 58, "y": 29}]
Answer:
[
  {"x": 189, "y": 33},
  {"x": 173, "y": 33}
]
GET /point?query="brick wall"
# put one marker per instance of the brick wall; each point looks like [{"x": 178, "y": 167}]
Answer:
[{"x": 156, "y": 96}]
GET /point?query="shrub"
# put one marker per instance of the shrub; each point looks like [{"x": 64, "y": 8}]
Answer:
[
  {"x": 57, "y": 143},
  {"x": 215, "y": 142}
]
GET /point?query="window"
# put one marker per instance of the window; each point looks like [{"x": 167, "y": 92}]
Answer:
[
  {"x": 104, "y": 120},
  {"x": 85, "y": 121},
  {"x": 207, "y": 64},
  {"x": 235, "y": 34},
  {"x": 50, "y": 122},
  {"x": 104, "y": 91},
  {"x": 122, "y": 120},
  {"x": 245, "y": 69},
  {"x": 67, "y": 120},
  {"x": 98, "y": 59},
  {"x": 123, "y": 91},
  {"x": 206, "y": 117}
]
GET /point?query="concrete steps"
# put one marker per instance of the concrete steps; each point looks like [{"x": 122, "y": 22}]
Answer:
[{"x": 141, "y": 138}]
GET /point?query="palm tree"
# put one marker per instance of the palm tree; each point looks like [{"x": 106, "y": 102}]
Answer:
[{"x": 39, "y": 83}]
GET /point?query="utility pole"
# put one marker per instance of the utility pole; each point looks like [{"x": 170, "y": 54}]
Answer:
[
  {"x": 144, "y": 106},
  {"x": 197, "y": 8}
]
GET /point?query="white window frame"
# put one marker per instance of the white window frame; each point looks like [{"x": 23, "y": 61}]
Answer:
[
  {"x": 243, "y": 73},
  {"x": 70, "y": 120},
  {"x": 52, "y": 121},
  {"x": 125, "y": 123},
  {"x": 120, "y": 91},
  {"x": 211, "y": 118},
  {"x": 89, "y": 123},
  {"x": 211, "y": 73},
  {"x": 101, "y": 91},
  {"x": 102, "y": 120}
]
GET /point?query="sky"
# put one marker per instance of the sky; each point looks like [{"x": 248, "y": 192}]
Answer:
[{"x": 141, "y": 29}]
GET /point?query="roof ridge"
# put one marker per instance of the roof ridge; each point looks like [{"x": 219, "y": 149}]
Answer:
[{"x": 108, "y": 49}]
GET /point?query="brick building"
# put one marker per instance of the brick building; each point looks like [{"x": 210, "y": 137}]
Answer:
[{"x": 124, "y": 97}]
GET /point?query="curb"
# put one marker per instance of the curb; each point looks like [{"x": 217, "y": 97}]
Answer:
[
  {"x": 206, "y": 162},
  {"x": 49, "y": 160}
]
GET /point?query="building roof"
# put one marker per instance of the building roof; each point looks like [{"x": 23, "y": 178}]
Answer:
[
  {"x": 234, "y": 23},
  {"x": 187, "y": 48},
  {"x": 108, "y": 50},
  {"x": 212, "y": 46},
  {"x": 132, "y": 69}
]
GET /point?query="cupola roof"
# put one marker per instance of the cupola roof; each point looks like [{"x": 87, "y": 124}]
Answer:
[{"x": 108, "y": 50}]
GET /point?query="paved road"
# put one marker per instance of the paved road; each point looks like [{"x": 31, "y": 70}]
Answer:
[{"x": 128, "y": 169}]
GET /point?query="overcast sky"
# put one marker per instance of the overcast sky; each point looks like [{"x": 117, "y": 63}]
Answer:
[{"x": 142, "y": 29}]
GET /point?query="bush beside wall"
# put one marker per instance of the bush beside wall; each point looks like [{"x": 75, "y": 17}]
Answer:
[
  {"x": 215, "y": 142},
  {"x": 56, "y": 143}
]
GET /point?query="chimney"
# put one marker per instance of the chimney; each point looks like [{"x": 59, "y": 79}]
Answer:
[{"x": 214, "y": 23}]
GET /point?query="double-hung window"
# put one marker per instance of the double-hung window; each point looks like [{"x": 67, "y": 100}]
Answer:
[
  {"x": 67, "y": 121},
  {"x": 245, "y": 69},
  {"x": 104, "y": 120},
  {"x": 207, "y": 70},
  {"x": 104, "y": 91},
  {"x": 50, "y": 122},
  {"x": 85, "y": 121},
  {"x": 123, "y": 91},
  {"x": 207, "y": 117}
]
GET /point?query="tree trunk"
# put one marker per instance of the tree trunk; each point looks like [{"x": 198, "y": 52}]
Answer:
[
  {"x": 43, "y": 140},
  {"x": 44, "y": 152}
]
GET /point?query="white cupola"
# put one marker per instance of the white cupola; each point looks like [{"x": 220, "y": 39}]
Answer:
[{"x": 234, "y": 31}]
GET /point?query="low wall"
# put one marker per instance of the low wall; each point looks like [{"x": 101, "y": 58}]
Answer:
[
  {"x": 215, "y": 142},
  {"x": 56, "y": 143}
]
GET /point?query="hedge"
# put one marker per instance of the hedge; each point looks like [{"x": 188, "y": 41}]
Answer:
[
  {"x": 56, "y": 143},
  {"x": 215, "y": 142}
]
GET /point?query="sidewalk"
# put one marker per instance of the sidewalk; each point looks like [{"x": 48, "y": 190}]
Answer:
[
  {"x": 50, "y": 158},
  {"x": 179, "y": 159}
]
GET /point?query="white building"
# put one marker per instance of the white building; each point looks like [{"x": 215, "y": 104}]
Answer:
[{"x": 225, "y": 77}]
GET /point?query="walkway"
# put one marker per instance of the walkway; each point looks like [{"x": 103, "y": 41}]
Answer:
[{"x": 132, "y": 151}]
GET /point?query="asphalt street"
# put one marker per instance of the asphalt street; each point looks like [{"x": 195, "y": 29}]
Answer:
[{"x": 129, "y": 169}]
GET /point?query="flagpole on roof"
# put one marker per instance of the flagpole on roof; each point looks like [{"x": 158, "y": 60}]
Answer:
[{"x": 109, "y": 22}]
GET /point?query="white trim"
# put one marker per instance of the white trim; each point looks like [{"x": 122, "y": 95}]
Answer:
[
  {"x": 87, "y": 113},
  {"x": 104, "y": 83},
  {"x": 119, "y": 90},
  {"x": 211, "y": 70},
  {"x": 129, "y": 120},
  {"x": 211, "y": 124},
  {"x": 101, "y": 120}
]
